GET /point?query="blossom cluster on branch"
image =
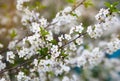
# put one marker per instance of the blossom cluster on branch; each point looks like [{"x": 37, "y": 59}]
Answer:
[{"x": 47, "y": 52}]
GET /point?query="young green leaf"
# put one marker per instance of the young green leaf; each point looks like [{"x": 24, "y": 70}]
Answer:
[
  {"x": 43, "y": 52},
  {"x": 13, "y": 34},
  {"x": 107, "y": 4},
  {"x": 112, "y": 7},
  {"x": 88, "y": 3},
  {"x": 43, "y": 32}
]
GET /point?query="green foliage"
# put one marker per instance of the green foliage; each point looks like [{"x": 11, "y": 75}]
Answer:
[
  {"x": 112, "y": 7},
  {"x": 43, "y": 32},
  {"x": 54, "y": 42},
  {"x": 13, "y": 34},
  {"x": 73, "y": 14},
  {"x": 63, "y": 54},
  {"x": 88, "y": 3},
  {"x": 44, "y": 52},
  {"x": 39, "y": 5},
  {"x": 71, "y": 1}
]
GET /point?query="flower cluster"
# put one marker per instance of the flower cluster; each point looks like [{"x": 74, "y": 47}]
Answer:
[
  {"x": 19, "y": 5},
  {"x": 113, "y": 46},
  {"x": 105, "y": 21},
  {"x": 2, "y": 65},
  {"x": 48, "y": 52}
]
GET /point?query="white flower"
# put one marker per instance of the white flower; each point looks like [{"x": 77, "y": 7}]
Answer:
[
  {"x": 67, "y": 10},
  {"x": 35, "y": 28},
  {"x": 95, "y": 56},
  {"x": 43, "y": 22},
  {"x": 60, "y": 44},
  {"x": 72, "y": 47},
  {"x": 49, "y": 36},
  {"x": 67, "y": 37},
  {"x": 55, "y": 51},
  {"x": 102, "y": 14},
  {"x": 1, "y": 45},
  {"x": 72, "y": 30},
  {"x": 63, "y": 17},
  {"x": 20, "y": 76},
  {"x": 3, "y": 79},
  {"x": 35, "y": 62},
  {"x": 2, "y": 65},
  {"x": 54, "y": 48},
  {"x": 81, "y": 61},
  {"x": 20, "y": 4},
  {"x": 98, "y": 30},
  {"x": 61, "y": 38},
  {"x": 10, "y": 57},
  {"x": 22, "y": 52},
  {"x": 1, "y": 57},
  {"x": 79, "y": 41},
  {"x": 113, "y": 46},
  {"x": 65, "y": 68},
  {"x": 79, "y": 28},
  {"x": 65, "y": 78},
  {"x": 12, "y": 44}
]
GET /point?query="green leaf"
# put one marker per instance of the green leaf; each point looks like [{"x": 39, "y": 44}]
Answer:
[
  {"x": 116, "y": 3},
  {"x": 88, "y": 3},
  {"x": 44, "y": 52},
  {"x": 39, "y": 5},
  {"x": 107, "y": 4},
  {"x": 63, "y": 54},
  {"x": 112, "y": 7},
  {"x": 54, "y": 42},
  {"x": 13, "y": 34},
  {"x": 73, "y": 14},
  {"x": 43, "y": 31}
]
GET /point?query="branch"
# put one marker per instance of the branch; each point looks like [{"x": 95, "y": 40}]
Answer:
[
  {"x": 73, "y": 40},
  {"x": 16, "y": 67},
  {"x": 80, "y": 3}
]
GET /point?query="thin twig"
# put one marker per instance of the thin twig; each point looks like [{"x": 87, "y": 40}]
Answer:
[
  {"x": 80, "y": 3},
  {"x": 73, "y": 40},
  {"x": 16, "y": 67}
]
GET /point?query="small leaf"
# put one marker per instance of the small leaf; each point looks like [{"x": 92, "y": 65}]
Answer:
[
  {"x": 107, "y": 4},
  {"x": 112, "y": 7},
  {"x": 43, "y": 31},
  {"x": 116, "y": 3},
  {"x": 54, "y": 42},
  {"x": 88, "y": 3},
  {"x": 13, "y": 34},
  {"x": 43, "y": 52},
  {"x": 63, "y": 54},
  {"x": 73, "y": 14}
]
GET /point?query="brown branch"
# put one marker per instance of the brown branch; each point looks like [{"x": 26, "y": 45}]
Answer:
[
  {"x": 5, "y": 70},
  {"x": 16, "y": 67},
  {"x": 73, "y": 40},
  {"x": 80, "y": 3}
]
